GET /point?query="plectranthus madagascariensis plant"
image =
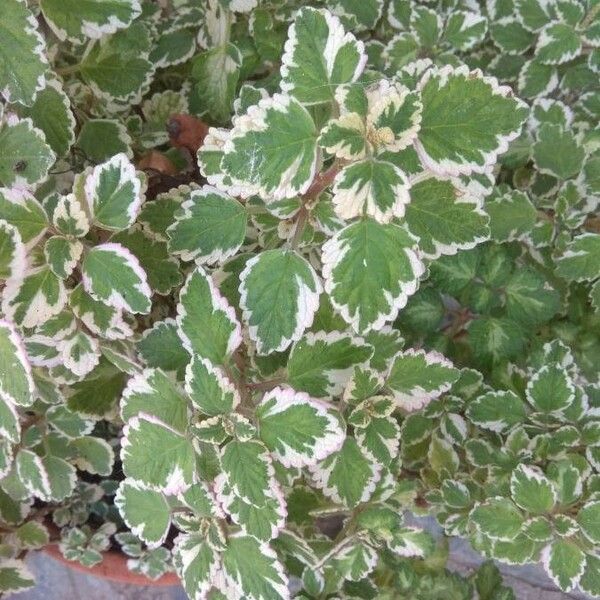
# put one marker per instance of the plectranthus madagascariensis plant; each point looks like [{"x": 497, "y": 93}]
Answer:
[{"x": 275, "y": 274}]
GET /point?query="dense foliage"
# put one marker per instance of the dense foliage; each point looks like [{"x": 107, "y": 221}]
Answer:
[{"x": 273, "y": 275}]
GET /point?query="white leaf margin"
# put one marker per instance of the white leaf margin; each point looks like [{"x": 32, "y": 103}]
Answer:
[
  {"x": 285, "y": 398},
  {"x": 307, "y": 306},
  {"x": 448, "y": 167},
  {"x": 332, "y": 255},
  {"x": 127, "y": 172},
  {"x": 337, "y": 378},
  {"x": 115, "y": 299},
  {"x": 320, "y": 477},
  {"x": 418, "y": 397},
  {"x": 337, "y": 37},
  {"x": 139, "y": 529},
  {"x": 219, "y": 303},
  {"x": 175, "y": 483},
  {"x": 255, "y": 120},
  {"x": 92, "y": 29},
  {"x": 225, "y": 384}
]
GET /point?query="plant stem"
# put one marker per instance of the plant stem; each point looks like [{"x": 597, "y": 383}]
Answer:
[
  {"x": 424, "y": 176},
  {"x": 592, "y": 14},
  {"x": 68, "y": 70}
]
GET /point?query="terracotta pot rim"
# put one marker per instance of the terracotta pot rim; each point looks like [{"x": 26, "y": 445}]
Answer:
[{"x": 113, "y": 568}]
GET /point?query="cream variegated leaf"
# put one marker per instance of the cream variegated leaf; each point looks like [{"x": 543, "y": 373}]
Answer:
[
  {"x": 272, "y": 149},
  {"x": 319, "y": 56},
  {"x": 298, "y": 430}
]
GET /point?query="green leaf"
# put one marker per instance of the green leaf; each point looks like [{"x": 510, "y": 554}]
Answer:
[
  {"x": 512, "y": 215},
  {"x": 495, "y": 338},
  {"x": 426, "y": 25},
  {"x": 209, "y": 388},
  {"x": 355, "y": 561},
  {"x": 298, "y": 430},
  {"x": 532, "y": 490},
  {"x": 589, "y": 521},
  {"x": 511, "y": 36},
  {"x": 26, "y": 157},
  {"x": 62, "y": 255},
  {"x": 158, "y": 456},
  {"x": 248, "y": 470},
  {"x": 319, "y": 56},
  {"x": 417, "y": 377},
  {"x": 160, "y": 267},
  {"x": 69, "y": 218},
  {"x": 498, "y": 518},
  {"x": 23, "y": 211},
  {"x": 93, "y": 455},
  {"x": 161, "y": 347},
  {"x": 558, "y": 43},
  {"x": 12, "y": 251},
  {"x": 358, "y": 14},
  {"x": 102, "y": 320},
  {"x": 556, "y": 152},
  {"x": 536, "y": 79},
  {"x": 272, "y": 149},
  {"x": 102, "y": 139},
  {"x": 581, "y": 259},
  {"x": 23, "y": 62},
  {"x": 51, "y": 112},
  {"x": 145, "y": 511},
  {"x": 347, "y": 476},
  {"x": 345, "y": 137},
  {"x": 153, "y": 393},
  {"x": 32, "y": 535},
  {"x": 216, "y": 73},
  {"x": 113, "y": 192},
  {"x": 411, "y": 541},
  {"x": 253, "y": 569},
  {"x": 97, "y": 395},
  {"x": 67, "y": 422},
  {"x": 497, "y": 411},
  {"x": 173, "y": 48},
  {"x": 210, "y": 227},
  {"x": 279, "y": 297},
  {"x": 321, "y": 363},
  {"x": 34, "y": 297},
  {"x": 74, "y": 20},
  {"x": 113, "y": 275},
  {"x": 14, "y": 575},
  {"x": 387, "y": 342},
  {"x": 49, "y": 478},
  {"x": 533, "y": 13},
  {"x": 264, "y": 522},
  {"x": 117, "y": 76},
  {"x": 80, "y": 353},
  {"x": 590, "y": 580},
  {"x": 381, "y": 118},
  {"x": 465, "y": 29},
  {"x": 442, "y": 457},
  {"x": 550, "y": 390},
  {"x": 530, "y": 299},
  {"x": 378, "y": 433},
  {"x": 16, "y": 381},
  {"x": 10, "y": 428},
  {"x": 564, "y": 562},
  {"x": 197, "y": 563},
  {"x": 370, "y": 187},
  {"x": 206, "y": 323},
  {"x": 364, "y": 286},
  {"x": 467, "y": 121},
  {"x": 444, "y": 220}
]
